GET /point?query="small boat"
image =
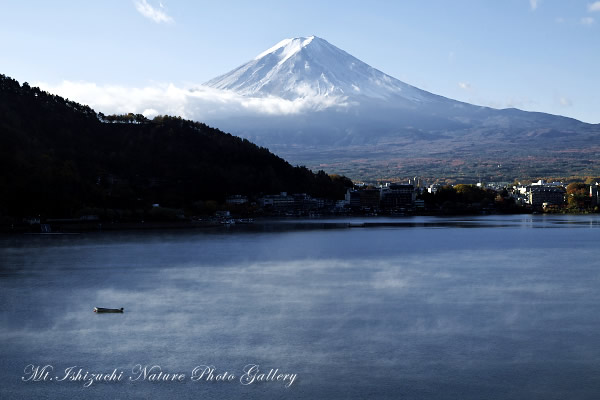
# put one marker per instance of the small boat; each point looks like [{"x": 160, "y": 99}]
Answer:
[{"x": 108, "y": 310}]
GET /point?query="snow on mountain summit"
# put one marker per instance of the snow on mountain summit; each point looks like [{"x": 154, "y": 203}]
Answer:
[
  {"x": 291, "y": 47},
  {"x": 316, "y": 105},
  {"x": 310, "y": 66}
]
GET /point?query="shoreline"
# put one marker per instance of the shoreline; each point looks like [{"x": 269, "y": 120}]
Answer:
[{"x": 266, "y": 223}]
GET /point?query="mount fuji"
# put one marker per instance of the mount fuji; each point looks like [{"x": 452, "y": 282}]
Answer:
[
  {"x": 351, "y": 118},
  {"x": 311, "y": 66}
]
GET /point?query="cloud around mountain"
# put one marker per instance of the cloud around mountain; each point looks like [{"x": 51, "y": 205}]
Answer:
[
  {"x": 195, "y": 102},
  {"x": 294, "y": 76},
  {"x": 367, "y": 121}
]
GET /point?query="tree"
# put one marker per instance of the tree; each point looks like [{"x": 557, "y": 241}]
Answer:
[{"x": 578, "y": 195}]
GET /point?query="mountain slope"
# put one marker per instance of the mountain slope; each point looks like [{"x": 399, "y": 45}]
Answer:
[{"x": 362, "y": 121}]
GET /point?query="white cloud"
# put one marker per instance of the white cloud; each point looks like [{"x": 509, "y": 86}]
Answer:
[
  {"x": 587, "y": 21},
  {"x": 464, "y": 85},
  {"x": 152, "y": 13},
  {"x": 595, "y": 6},
  {"x": 534, "y": 4},
  {"x": 196, "y": 103},
  {"x": 565, "y": 102}
]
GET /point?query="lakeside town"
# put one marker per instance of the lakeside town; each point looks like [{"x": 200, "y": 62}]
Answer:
[
  {"x": 414, "y": 197},
  {"x": 126, "y": 171}
]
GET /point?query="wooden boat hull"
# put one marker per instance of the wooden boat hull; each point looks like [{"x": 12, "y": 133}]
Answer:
[{"x": 101, "y": 310}]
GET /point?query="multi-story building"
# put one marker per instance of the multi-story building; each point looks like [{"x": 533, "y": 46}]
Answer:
[
  {"x": 369, "y": 198},
  {"x": 544, "y": 194},
  {"x": 236, "y": 199},
  {"x": 394, "y": 196},
  {"x": 434, "y": 188},
  {"x": 353, "y": 198},
  {"x": 304, "y": 202},
  {"x": 278, "y": 201},
  {"x": 594, "y": 194}
]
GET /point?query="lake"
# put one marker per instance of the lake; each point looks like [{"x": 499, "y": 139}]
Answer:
[{"x": 491, "y": 307}]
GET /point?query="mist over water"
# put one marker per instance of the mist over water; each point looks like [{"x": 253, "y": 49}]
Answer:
[{"x": 413, "y": 308}]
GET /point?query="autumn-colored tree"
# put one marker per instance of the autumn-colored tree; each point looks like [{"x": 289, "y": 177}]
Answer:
[
  {"x": 577, "y": 188},
  {"x": 578, "y": 195}
]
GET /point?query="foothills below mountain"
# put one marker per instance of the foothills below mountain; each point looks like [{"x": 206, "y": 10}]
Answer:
[
  {"x": 353, "y": 119},
  {"x": 59, "y": 158}
]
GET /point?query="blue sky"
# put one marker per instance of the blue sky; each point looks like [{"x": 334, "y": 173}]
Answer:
[{"x": 539, "y": 55}]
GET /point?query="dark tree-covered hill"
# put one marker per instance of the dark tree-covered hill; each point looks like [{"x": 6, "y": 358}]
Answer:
[{"x": 58, "y": 157}]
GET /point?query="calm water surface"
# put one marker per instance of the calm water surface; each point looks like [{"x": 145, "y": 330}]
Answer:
[{"x": 497, "y": 307}]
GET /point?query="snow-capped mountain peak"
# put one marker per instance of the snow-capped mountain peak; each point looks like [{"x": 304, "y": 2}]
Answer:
[
  {"x": 289, "y": 46},
  {"x": 321, "y": 106},
  {"x": 310, "y": 66}
]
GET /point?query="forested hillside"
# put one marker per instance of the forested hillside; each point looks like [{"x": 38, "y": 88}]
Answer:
[{"x": 58, "y": 158}]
